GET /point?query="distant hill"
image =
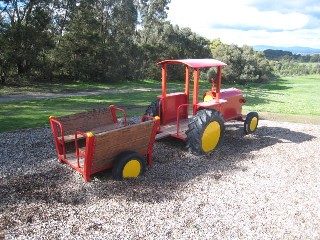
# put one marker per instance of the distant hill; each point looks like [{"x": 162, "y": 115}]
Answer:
[{"x": 295, "y": 50}]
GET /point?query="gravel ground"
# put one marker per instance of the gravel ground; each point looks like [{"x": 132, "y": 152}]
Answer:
[{"x": 263, "y": 186}]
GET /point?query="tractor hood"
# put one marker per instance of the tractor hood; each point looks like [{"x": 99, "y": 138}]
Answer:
[{"x": 195, "y": 63}]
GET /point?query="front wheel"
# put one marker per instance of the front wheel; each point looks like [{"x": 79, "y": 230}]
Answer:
[
  {"x": 205, "y": 131},
  {"x": 128, "y": 165},
  {"x": 251, "y": 123}
]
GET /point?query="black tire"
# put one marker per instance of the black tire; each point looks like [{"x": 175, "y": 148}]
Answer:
[
  {"x": 205, "y": 131},
  {"x": 153, "y": 109},
  {"x": 128, "y": 164},
  {"x": 251, "y": 122}
]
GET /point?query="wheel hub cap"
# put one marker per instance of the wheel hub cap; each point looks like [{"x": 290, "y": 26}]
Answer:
[
  {"x": 211, "y": 136},
  {"x": 253, "y": 124},
  {"x": 131, "y": 169}
]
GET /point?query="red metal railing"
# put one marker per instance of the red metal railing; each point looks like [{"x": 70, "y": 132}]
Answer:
[
  {"x": 57, "y": 131},
  {"x": 114, "y": 114},
  {"x": 152, "y": 137},
  {"x": 78, "y": 153},
  {"x": 178, "y": 114}
]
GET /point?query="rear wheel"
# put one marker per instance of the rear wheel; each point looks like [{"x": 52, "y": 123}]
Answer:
[
  {"x": 128, "y": 165},
  {"x": 205, "y": 131},
  {"x": 153, "y": 109},
  {"x": 251, "y": 123}
]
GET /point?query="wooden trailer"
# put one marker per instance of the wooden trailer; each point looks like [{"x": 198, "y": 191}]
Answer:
[{"x": 95, "y": 140}]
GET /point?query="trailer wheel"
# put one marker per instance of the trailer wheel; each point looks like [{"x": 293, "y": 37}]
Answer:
[
  {"x": 153, "y": 109},
  {"x": 251, "y": 123},
  {"x": 205, "y": 131},
  {"x": 128, "y": 164}
]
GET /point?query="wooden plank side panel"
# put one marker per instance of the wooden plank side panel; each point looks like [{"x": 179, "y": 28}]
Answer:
[
  {"x": 106, "y": 158},
  {"x": 171, "y": 128},
  {"x": 97, "y": 130},
  {"x": 110, "y": 144},
  {"x": 106, "y": 128},
  {"x": 133, "y": 144},
  {"x": 85, "y": 121},
  {"x": 99, "y": 117},
  {"x": 72, "y": 123},
  {"x": 106, "y": 162},
  {"x": 133, "y": 131}
]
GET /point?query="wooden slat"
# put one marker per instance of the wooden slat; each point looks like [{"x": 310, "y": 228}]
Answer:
[
  {"x": 162, "y": 135},
  {"x": 133, "y": 144},
  {"x": 171, "y": 128},
  {"x": 71, "y": 158},
  {"x": 106, "y": 159},
  {"x": 86, "y": 121},
  {"x": 125, "y": 133},
  {"x": 112, "y": 143},
  {"x": 70, "y": 138},
  {"x": 101, "y": 129}
]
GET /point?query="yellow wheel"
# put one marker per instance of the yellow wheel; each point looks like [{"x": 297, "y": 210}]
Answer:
[
  {"x": 128, "y": 165},
  {"x": 251, "y": 122},
  {"x": 205, "y": 131},
  {"x": 131, "y": 169},
  {"x": 211, "y": 136}
]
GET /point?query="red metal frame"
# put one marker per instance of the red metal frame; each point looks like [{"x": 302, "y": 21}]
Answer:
[
  {"x": 187, "y": 82},
  {"x": 218, "y": 87},
  {"x": 170, "y": 105},
  {"x": 178, "y": 117},
  {"x": 153, "y": 137},
  {"x": 114, "y": 114},
  {"x": 89, "y": 156},
  {"x": 196, "y": 64},
  {"x": 60, "y": 144},
  {"x": 85, "y": 170},
  {"x": 195, "y": 86}
]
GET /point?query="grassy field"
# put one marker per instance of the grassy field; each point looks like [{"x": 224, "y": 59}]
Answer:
[
  {"x": 290, "y": 95},
  {"x": 296, "y": 96}
]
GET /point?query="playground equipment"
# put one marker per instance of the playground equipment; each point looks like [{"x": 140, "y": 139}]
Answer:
[
  {"x": 93, "y": 141},
  {"x": 203, "y": 129}
]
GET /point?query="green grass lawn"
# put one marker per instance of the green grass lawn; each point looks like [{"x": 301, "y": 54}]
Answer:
[
  {"x": 296, "y": 95},
  {"x": 290, "y": 95},
  {"x": 26, "y": 114}
]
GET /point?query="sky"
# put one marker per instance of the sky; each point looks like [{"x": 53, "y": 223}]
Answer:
[{"x": 280, "y": 23}]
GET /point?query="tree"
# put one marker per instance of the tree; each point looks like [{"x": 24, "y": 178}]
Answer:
[
  {"x": 215, "y": 43},
  {"x": 62, "y": 11},
  {"x": 98, "y": 41},
  {"x": 25, "y": 37},
  {"x": 231, "y": 55},
  {"x": 152, "y": 13},
  {"x": 277, "y": 54},
  {"x": 315, "y": 58},
  {"x": 244, "y": 64},
  {"x": 80, "y": 45},
  {"x": 167, "y": 41}
]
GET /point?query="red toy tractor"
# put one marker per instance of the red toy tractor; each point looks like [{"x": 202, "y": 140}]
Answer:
[{"x": 203, "y": 129}]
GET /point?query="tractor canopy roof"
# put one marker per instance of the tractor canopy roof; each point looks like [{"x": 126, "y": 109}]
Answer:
[{"x": 196, "y": 63}]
